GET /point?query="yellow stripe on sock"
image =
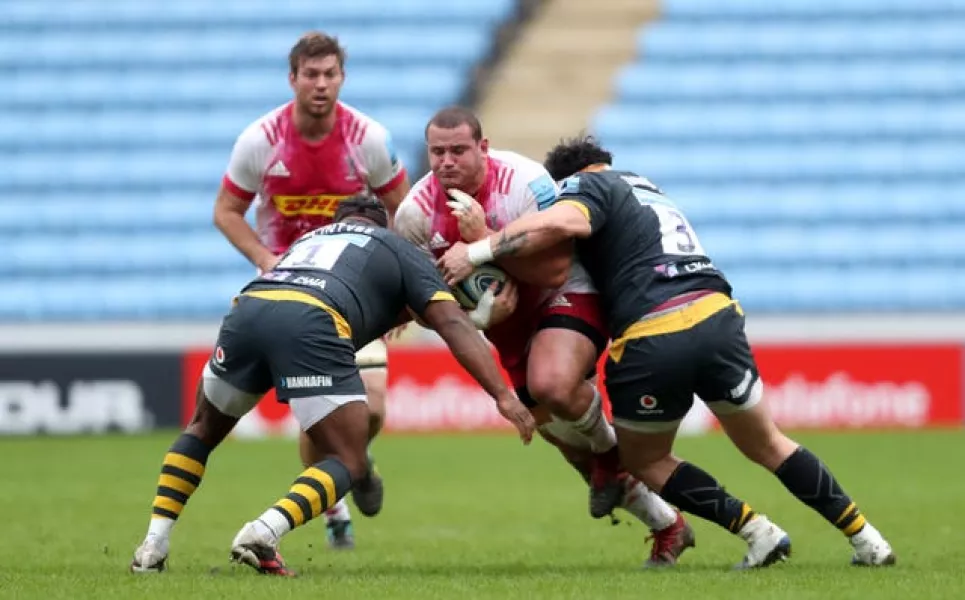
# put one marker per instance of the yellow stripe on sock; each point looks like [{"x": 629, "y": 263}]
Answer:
[
  {"x": 176, "y": 483},
  {"x": 184, "y": 462},
  {"x": 294, "y": 511},
  {"x": 309, "y": 493},
  {"x": 327, "y": 482},
  {"x": 168, "y": 504},
  {"x": 845, "y": 514},
  {"x": 855, "y": 527}
]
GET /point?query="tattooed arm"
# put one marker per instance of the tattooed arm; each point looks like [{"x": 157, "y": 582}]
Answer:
[
  {"x": 538, "y": 231},
  {"x": 526, "y": 235}
]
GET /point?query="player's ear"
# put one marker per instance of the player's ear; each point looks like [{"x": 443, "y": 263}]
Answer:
[
  {"x": 291, "y": 80},
  {"x": 484, "y": 145}
]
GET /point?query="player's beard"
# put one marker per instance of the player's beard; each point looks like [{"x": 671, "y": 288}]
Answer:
[{"x": 316, "y": 112}]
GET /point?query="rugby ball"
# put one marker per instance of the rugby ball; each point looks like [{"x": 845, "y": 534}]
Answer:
[{"x": 470, "y": 290}]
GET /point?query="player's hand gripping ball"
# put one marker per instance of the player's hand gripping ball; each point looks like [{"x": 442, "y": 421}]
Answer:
[{"x": 470, "y": 290}]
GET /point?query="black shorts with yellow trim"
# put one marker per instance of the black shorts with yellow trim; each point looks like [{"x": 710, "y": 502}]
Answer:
[
  {"x": 287, "y": 340},
  {"x": 662, "y": 361}
]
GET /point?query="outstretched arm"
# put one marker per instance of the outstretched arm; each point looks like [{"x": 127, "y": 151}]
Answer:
[
  {"x": 525, "y": 236},
  {"x": 474, "y": 355}
]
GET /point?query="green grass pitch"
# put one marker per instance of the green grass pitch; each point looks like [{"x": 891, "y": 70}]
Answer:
[{"x": 467, "y": 517}]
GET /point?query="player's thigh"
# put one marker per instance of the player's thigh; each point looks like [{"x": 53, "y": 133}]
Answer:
[
  {"x": 309, "y": 359},
  {"x": 650, "y": 383},
  {"x": 372, "y": 361},
  {"x": 569, "y": 339},
  {"x": 237, "y": 374},
  {"x": 727, "y": 378}
]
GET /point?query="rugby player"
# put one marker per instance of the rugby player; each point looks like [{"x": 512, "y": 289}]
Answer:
[
  {"x": 550, "y": 343},
  {"x": 296, "y": 328},
  {"x": 677, "y": 332},
  {"x": 298, "y": 162}
]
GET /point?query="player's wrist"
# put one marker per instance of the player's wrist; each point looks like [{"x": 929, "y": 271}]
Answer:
[{"x": 480, "y": 252}]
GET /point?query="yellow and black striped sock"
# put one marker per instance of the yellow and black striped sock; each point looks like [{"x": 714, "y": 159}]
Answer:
[
  {"x": 693, "y": 490},
  {"x": 805, "y": 476},
  {"x": 317, "y": 489},
  {"x": 180, "y": 476}
]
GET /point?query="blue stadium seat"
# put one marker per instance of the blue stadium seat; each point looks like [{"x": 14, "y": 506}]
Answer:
[
  {"x": 808, "y": 9},
  {"x": 737, "y": 122},
  {"x": 769, "y": 81},
  {"x": 458, "y": 46},
  {"x": 815, "y": 145},
  {"x": 119, "y": 121},
  {"x": 818, "y": 203},
  {"x": 262, "y": 87},
  {"x": 109, "y": 14},
  {"x": 797, "y": 40},
  {"x": 814, "y": 160}
]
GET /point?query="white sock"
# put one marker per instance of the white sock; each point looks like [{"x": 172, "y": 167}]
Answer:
[
  {"x": 160, "y": 527},
  {"x": 595, "y": 427},
  {"x": 867, "y": 533},
  {"x": 647, "y": 506},
  {"x": 339, "y": 512},
  {"x": 275, "y": 521}
]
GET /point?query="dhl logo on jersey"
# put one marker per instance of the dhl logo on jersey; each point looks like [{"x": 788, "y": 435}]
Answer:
[{"x": 320, "y": 205}]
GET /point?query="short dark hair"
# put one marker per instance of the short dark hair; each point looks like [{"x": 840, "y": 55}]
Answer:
[
  {"x": 315, "y": 44},
  {"x": 364, "y": 206},
  {"x": 572, "y": 155},
  {"x": 454, "y": 116}
]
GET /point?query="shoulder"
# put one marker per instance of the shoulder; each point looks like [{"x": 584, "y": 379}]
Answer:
[
  {"x": 420, "y": 198},
  {"x": 593, "y": 182},
  {"x": 525, "y": 174},
  {"x": 359, "y": 128},
  {"x": 266, "y": 130}
]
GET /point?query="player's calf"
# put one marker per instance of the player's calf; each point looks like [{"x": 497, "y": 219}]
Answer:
[
  {"x": 182, "y": 469},
  {"x": 808, "y": 479},
  {"x": 337, "y": 423}
]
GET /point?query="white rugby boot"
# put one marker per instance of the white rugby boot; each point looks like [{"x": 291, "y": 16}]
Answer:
[
  {"x": 257, "y": 546},
  {"x": 766, "y": 543},
  {"x": 151, "y": 556},
  {"x": 871, "y": 549}
]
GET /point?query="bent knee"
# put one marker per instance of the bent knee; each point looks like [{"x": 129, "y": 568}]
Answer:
[
  {"x": 553, "y": 388},
  {"x": 357, "y": 465}
]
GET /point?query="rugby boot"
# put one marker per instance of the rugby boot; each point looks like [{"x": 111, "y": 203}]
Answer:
[
  {"x": 256, "y": 546},
  {"x": 766, "y": 543},
  {"x": 606, "y": 483},
  {"x": 871, "y": 549},
  {"x": 151, "y": 556},
  {"x": 669, "y": 543},
  {"x": 340, "y": 534},
  {"x": 367, "y": 493}
]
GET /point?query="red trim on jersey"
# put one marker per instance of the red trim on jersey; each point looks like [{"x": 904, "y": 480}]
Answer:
[
  {"x": 353, "y": 128},
  {"x": 508, "y": 181},
  {"x": 360, "y": 134},
  {"x": 391, "y": 185},
  {"x": 272, "y": 129},
  {"x": 423, "y": 200},
  {"x": 235, "y": 189}
]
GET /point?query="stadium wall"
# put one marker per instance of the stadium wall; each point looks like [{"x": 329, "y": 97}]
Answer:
[{"x": 822, "y": 372}]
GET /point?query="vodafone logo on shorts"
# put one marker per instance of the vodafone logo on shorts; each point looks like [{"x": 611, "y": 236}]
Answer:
[{"x": 648, "y": 402}]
